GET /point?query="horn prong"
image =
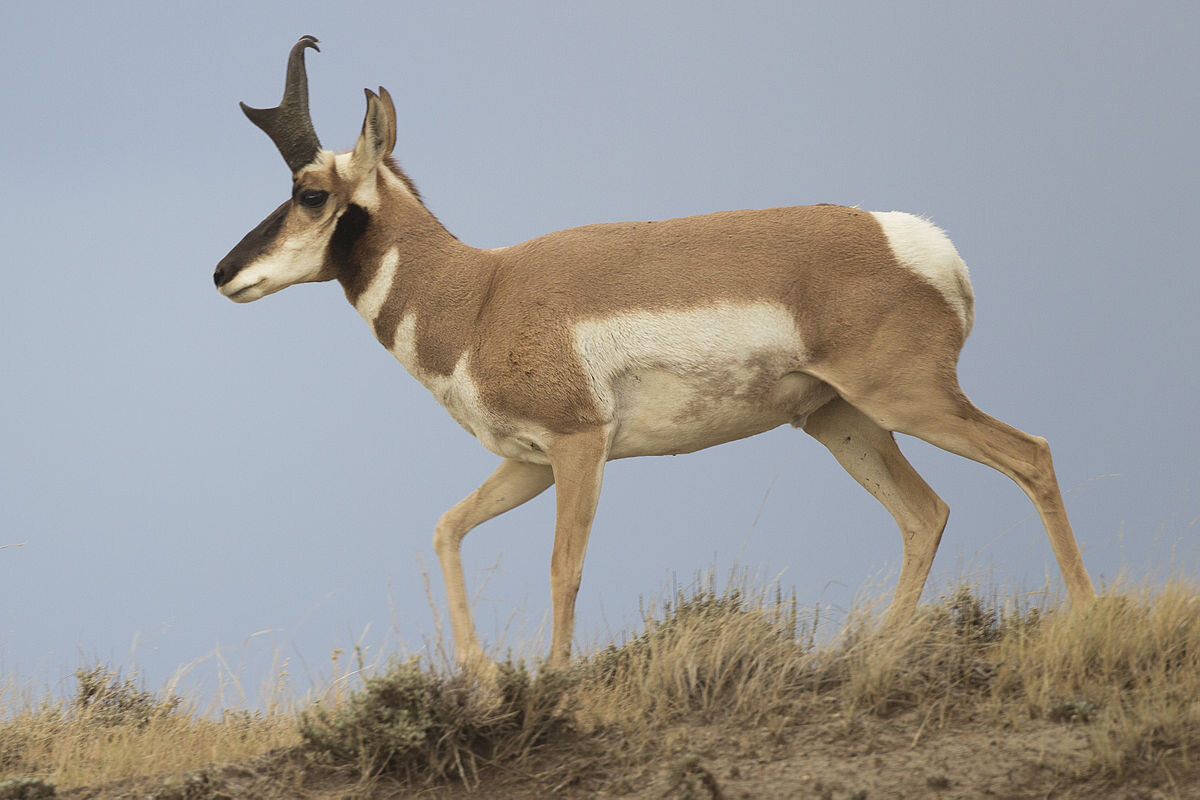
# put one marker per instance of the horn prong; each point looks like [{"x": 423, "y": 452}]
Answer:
[{"x": 289, "y": 124}]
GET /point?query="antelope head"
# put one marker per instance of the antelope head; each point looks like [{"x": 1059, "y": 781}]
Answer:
[{"x": 332, "y": 195}]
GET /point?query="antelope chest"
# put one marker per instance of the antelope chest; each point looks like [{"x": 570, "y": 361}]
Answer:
[
  {"x": 460, "y": 395},
  {"x": 457, "y": 392}
]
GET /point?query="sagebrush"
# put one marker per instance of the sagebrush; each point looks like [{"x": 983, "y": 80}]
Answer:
[{"x": 1125, "y": 672}]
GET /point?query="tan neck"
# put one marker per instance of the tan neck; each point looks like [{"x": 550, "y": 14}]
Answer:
[{"x": 405, "y": 263}]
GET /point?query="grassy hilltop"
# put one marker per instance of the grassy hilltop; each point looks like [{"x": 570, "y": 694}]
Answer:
[{"x": 721, "y": 695}]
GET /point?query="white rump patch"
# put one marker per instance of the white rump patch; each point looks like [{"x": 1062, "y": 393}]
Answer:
[{"x": 925, "y": 249}]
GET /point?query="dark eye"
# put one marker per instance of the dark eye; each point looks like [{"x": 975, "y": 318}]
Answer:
[{"x": 313, "y": 198}]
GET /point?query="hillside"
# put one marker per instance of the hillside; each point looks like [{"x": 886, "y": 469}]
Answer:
[{"x": 722, "y": 695}]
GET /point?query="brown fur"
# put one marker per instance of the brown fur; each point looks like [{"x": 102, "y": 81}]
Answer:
[
  {"x": 513, "y": 308},
  {"x": 879, "y": 351}
]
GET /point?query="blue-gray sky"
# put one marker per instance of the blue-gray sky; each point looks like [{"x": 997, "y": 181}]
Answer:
[{"x": 182, "y": 473}]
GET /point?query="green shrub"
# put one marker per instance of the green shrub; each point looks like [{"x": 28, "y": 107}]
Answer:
[{"x": 412, "y": 723}]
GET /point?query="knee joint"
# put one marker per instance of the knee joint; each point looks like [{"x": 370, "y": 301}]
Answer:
[{"x": 447, "y": 533}]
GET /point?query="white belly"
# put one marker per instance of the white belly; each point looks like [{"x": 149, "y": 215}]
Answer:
[
  {"x": 660, "y": 413},
  {"x": 667, "y": 382},
  {"x": 679, "y": 381}
]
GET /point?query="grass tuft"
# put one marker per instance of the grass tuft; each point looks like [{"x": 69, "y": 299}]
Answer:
[
  {"x": 104, "y": 699},
  {"x": 113, "y": 730},
  {"x": 706, "y": 653},
  {"x": 1122, "y": 677}
]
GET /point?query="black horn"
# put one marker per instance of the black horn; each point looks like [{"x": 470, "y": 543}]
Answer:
[{"x": 289, "y": 124}]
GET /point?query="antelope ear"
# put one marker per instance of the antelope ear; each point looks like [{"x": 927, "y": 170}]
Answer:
[
  {"x": 378, "y": 135},
  {"x": 391, "y": 120}
]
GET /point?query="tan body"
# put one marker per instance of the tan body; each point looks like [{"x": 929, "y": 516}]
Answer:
[{"x": 650, "y": 338}]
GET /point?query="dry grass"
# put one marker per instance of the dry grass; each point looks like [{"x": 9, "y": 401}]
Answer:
[
  {"x": 112, "y": 730},
  {"x": 1129, "y": 667},
  {"x": 1126, "y": 672},
  {"x": 738, "y": 653}
]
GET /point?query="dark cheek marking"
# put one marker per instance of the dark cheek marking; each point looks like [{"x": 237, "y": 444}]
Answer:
[{"x": 350, "y": 228}]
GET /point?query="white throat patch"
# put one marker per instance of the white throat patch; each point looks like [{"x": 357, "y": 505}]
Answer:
[{"x": 371, "y": 301}]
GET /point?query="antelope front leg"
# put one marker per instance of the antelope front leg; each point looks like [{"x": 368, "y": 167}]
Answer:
[
  {"x": 509, "y": 486},
  {"x": 578, "y": 463}
]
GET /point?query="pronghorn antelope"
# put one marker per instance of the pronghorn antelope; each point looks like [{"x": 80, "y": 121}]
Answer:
[{"x": 645, "y": 338}]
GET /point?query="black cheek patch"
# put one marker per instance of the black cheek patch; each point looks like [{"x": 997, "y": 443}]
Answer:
[{"x": 350, "y": 228}]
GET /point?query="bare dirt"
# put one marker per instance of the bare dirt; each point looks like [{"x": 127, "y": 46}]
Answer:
[{"x": 825, "y": 757}]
